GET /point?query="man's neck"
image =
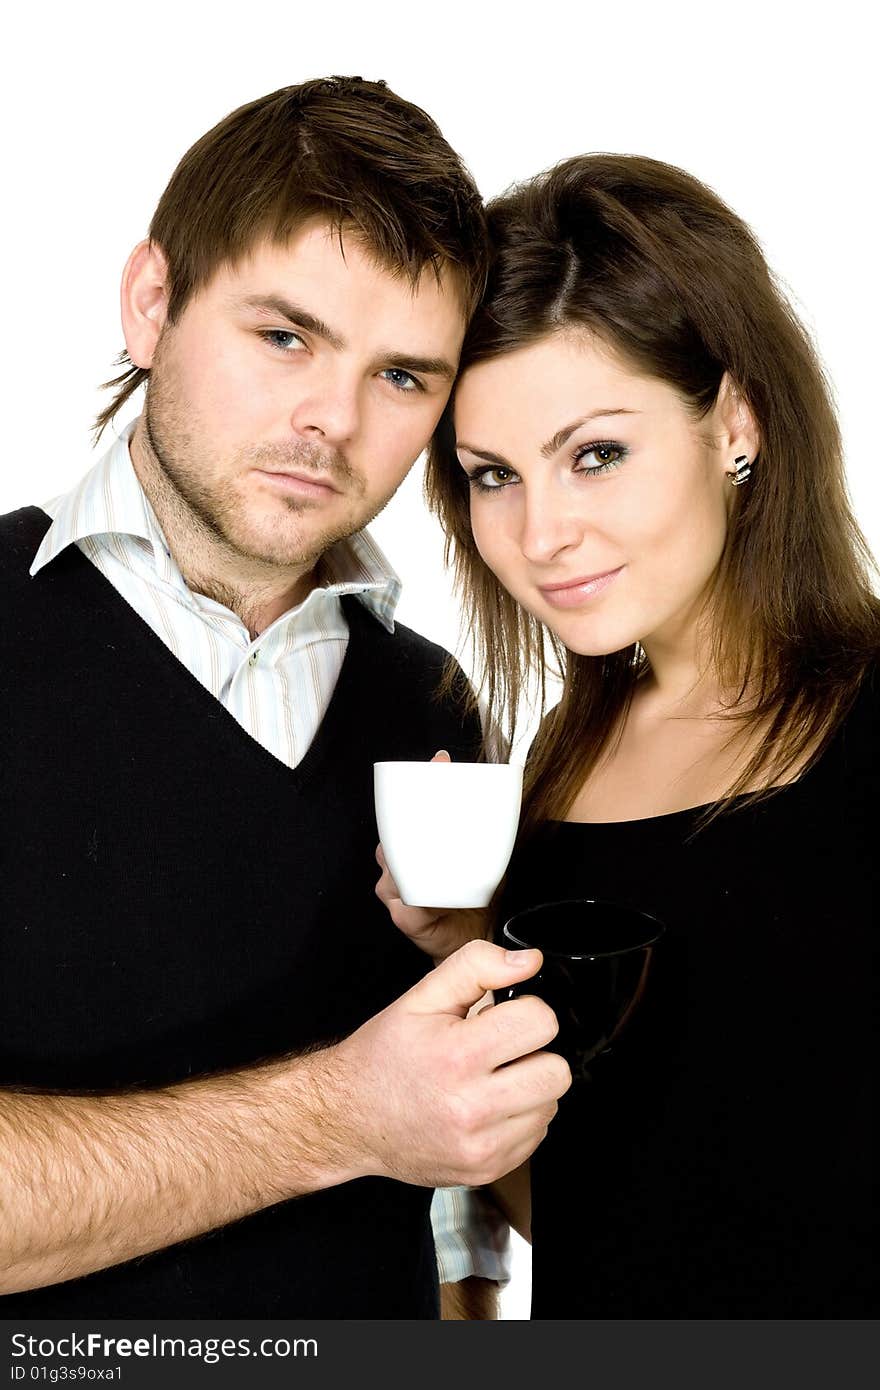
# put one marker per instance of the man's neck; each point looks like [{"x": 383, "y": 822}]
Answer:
[{"x": 257, "y": 608}]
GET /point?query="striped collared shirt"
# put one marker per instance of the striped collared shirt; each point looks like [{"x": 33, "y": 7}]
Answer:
[{"x": 278, "y": 686}]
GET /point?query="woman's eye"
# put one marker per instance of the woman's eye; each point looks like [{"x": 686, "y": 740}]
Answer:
[
  {"x": 404, "y": 381},
  {"x": 491, "y": 479},
  {"x": 283, "y": 338},
  {"x": 607, "y": 453},
  {"x": 603, "y": 455}
]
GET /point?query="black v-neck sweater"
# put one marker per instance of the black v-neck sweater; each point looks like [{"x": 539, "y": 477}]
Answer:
[{"x": 176, "y": 902}]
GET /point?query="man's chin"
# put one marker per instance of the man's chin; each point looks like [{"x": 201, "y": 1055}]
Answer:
[{"x": 286, "y": 548}]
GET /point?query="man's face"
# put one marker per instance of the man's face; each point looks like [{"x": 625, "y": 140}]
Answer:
[{"x": 288, "y": 402}]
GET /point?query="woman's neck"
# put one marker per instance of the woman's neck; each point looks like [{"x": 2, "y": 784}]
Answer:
[{"x": 681, "y": 679}]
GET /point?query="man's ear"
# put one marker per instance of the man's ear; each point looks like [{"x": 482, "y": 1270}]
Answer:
[
  {"x": 144, "y": 296},
  {"x": 737, "y": 433}
]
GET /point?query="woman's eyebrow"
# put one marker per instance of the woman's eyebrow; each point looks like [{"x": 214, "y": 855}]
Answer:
[
  {"x": 562, "y": 436},
  {"x": 553, "y": 445},
  {"x": 499, "y": 459}
]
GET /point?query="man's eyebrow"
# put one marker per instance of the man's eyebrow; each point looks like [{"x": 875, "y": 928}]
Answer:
[
  {"x": 277, "y": 305},
  {"x": 553, "y": 445},
  {"x": 426, "y": 366}
]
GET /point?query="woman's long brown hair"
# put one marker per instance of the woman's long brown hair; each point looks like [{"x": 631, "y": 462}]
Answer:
[{"x": 652, "y": 262}]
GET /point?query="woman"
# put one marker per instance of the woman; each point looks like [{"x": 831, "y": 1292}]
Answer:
[{"x": 641, "y": 467}]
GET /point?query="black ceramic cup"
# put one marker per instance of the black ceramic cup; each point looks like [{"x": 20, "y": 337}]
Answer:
[{"x": 597, "y": 959}]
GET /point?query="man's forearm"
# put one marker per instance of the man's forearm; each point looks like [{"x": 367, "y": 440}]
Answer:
[
  {"x": 471, "y": 1299},
  {"x": 89, "y": 1182},
  {"x": 421, "y": 1093}
]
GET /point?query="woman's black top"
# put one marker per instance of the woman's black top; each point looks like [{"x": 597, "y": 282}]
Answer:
[{"x": 720, "y": 1161}]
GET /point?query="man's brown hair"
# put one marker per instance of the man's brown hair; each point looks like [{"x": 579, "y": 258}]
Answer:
[{"x": 342, "y": 149}]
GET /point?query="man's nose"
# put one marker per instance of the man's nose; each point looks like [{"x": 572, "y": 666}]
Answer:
[{"x": 329, "y": 410}]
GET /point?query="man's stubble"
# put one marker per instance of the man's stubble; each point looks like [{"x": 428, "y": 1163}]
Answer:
[{"x": 210, "y": 504}]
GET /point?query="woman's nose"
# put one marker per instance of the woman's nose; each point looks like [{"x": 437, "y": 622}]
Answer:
[{"x": 549, "y": 525}]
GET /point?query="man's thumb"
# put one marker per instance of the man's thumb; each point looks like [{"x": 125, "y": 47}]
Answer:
[{"x": 461, "y": 980}]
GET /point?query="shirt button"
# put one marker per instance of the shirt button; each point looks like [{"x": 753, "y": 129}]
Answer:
[{"x": 252, "y": 659}]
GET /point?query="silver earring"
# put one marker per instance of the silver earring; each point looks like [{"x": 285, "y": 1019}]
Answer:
[{"x": 741, "y": 471}]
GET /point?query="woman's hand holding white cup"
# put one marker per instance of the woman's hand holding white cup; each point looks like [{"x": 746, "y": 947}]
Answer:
[
  {"x": 437, "y": 931},
  {"x": 447, "y": 829},
  {"x": 448, "y": 833}
]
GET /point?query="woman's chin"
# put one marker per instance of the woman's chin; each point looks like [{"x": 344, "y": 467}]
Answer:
[
  {"x": 582, "y": 633},
  {"x": 592, "y": 639}
]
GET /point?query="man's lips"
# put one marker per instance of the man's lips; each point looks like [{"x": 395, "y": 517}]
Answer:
[
  {"x": 304, "y": 484},
  {"x": 574, "y": 591}
]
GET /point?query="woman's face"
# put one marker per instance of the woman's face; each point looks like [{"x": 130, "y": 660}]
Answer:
[{"x": 596, "y": 498}]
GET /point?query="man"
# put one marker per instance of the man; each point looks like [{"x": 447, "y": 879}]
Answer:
[{"x": 208, "y": 1012}]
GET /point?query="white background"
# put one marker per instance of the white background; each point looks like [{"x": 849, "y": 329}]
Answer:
[{"x": 772, "y": 104}]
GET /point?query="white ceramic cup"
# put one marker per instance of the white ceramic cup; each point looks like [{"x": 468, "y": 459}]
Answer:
[{"x": 447, "y": 829}]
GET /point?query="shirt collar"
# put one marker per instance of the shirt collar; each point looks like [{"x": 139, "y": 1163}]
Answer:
[
  {"x": 109, "y": 501},
  {"x": 358, "y": 566}
]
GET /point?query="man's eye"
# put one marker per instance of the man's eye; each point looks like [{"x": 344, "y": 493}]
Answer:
[
  {"x": 282, "y": 338},
  {"x": 404, "y": 381}
]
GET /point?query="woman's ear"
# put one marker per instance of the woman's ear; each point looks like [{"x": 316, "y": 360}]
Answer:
[
  {"x": 736, "y": 431},
  {"x": 144, "y": 296}
]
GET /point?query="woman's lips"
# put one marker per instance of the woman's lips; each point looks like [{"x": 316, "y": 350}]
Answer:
[{"x": 574, "y": 593}]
